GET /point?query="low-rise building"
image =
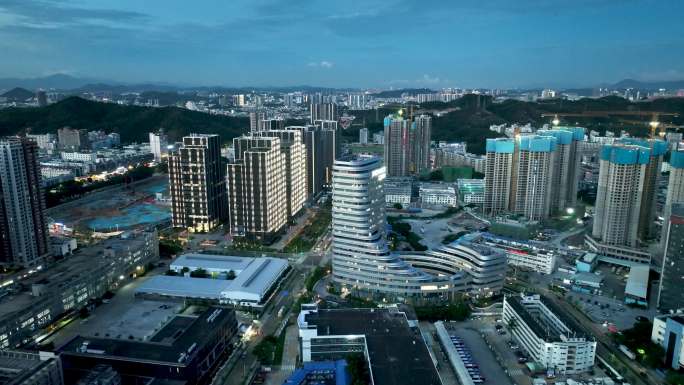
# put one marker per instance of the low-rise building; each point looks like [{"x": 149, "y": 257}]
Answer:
[
  {"x": 636, "y": 290},
  {"x": 552, "y": 339},
  {"x": 31, "y": 302},
  {"x": 186, "y": 349},
  {"x": 62, "y": 246},
  {"x": 470, "y": 191},
  {"x": 398, "y": 190},
  {"x": 438, "y": 194},
  {"x": 526, "y": 255},
  {"x": 587, "y": 262},
  {"x": 250, "y": 284},
  {"x": 324, "y": 373},
  {"x": 391, "y": 344},
  {"x": 30, "y": 368},
  {"x": 668, "y": 332}
]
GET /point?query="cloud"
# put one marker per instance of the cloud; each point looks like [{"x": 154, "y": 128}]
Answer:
[
  {"x": 427, "y": 79},
  {"x": 320, "y": 64},
  {"x": 54, "y": 14}
]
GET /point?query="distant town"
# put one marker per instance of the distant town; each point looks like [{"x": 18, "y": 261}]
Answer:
[{"x": 334, "y": 240}]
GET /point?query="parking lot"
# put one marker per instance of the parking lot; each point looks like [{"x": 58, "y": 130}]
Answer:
[{"x": 471, "y": 334}]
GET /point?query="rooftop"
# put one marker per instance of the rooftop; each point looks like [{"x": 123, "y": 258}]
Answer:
[
  {"x": 64, "y": 273},
  {"x": 397, "y": 352},
  {"x": 181, "y": 335},
  {"x": 537, "y": 327},
  {"x": 212, "y": 262},
  {"x": 17, "y": 365},
  {"x": 637, "y": 282},
  {"x": 255, "y": 276}
]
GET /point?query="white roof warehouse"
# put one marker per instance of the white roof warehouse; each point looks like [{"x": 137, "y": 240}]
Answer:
[{"x": 255, "y": 277}]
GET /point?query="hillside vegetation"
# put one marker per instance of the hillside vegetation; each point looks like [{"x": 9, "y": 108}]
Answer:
[
  {"x": 466, "y": 119},
  {"x": 133, "y": 123}
]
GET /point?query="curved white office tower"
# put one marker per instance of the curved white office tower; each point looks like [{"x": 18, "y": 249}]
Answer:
[{"x": 362, "y": 259}]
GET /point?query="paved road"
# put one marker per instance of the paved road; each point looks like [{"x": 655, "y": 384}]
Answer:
[
  {"x": 270, "y": 323},
  {"x": 296, "y": 229}
]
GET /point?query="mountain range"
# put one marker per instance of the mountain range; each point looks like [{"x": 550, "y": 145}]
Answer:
[{"x": 72, "y": 84}]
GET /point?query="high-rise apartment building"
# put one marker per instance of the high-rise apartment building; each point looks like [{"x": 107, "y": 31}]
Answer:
[
  {"x": 535, "y": 176},
  {"x": 255, "y": 118},
  {"x": 323, "y": 111},
  {"x": 72, "y": 139},
  {"x": 498, "y": 174},
  {"x": 158, "y": 145},
  {"x": 534, "y": 173},
  {"x": 41, "y": 98},
  {"x": 619, "y": 194},
  {"x": 407, "y": 145},
  {"x": 197, "y": 183},
  {"x": 421, "y": 149},
  {"x": 363, "y": 135},
  {"x": 257, "y": 188},
  {"x": 625, "y": 203},
  {"x": 323, "y": 146},
  {"x": 23, "y": 229},
  {"x": 271, "y": 124},
  {"x": 568, "y": 157},
  {"x": 292, "y": 145},
  {"x": 675, "y": 185},
  {"x": 670, "y": 296}
]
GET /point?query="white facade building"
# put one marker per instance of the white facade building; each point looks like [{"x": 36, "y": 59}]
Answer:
[
  {"x": 255, "y": 279},
  {"x": 363, "y": 136},
  {"x": 551, "y": 339},
  {"x": 438, "y": 194},
  {"x": 158, "y": 145},
  {"x": 361, "y": 255}
]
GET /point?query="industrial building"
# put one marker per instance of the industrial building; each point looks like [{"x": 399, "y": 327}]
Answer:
[
  {"x": 32, "y": 303},
  {"x": 636, "y": 289},
  {"x": 255, "y": 279},
  {"x": 186, "y": 348},
  {"x": 323, "y": 373},
  {"x": 392, "y": 345},
  {"x": 552, "y": 339},
  {"x": 30, "y": 368}
]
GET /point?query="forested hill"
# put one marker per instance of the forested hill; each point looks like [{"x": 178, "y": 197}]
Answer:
[
  {"x": 466, "y": 119},
  {"x": 133, "y": 123}
]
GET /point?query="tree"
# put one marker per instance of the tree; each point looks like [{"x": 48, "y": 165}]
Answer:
[
  {"x": 398, "y": 206},
  {"x": 231, "y": 275},
  {"x": 199, "y": 273}
]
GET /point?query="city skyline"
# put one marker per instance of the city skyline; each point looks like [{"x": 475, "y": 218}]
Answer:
[{"x": 271, "y": 43}]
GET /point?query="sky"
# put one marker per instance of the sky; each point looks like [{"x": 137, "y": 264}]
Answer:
[{"x": 350, "y": 43}]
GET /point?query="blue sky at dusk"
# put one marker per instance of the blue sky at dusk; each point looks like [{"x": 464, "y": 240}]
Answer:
[{"x": 390, "y": 43}]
